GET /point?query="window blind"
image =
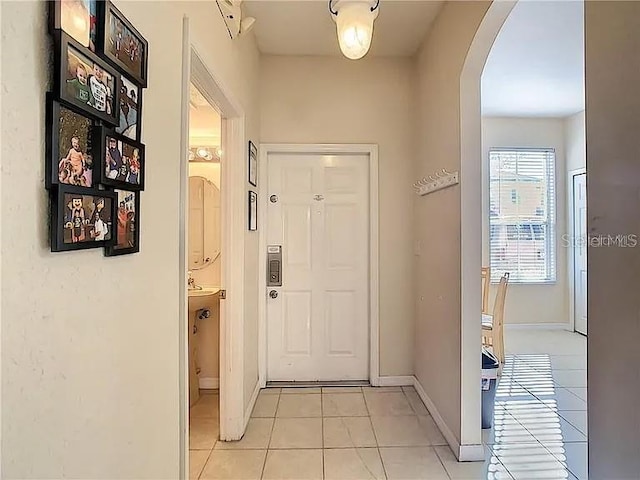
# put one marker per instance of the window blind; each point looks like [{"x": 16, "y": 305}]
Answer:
[{"x": 522, "y": 214}]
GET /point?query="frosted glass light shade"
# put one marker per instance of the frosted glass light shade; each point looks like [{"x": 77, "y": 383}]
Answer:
[{"x": 354, "y": 24}]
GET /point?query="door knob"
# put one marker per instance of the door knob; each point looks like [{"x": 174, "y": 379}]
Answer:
[{"x": 273, "y": 294}]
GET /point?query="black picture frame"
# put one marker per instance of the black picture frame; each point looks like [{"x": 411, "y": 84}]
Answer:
[
  {"x": 62, "y": 215},
  {"x": 252, "y": 169},
  {"x": 106, "y": 44},
  {"x": 62, "y": 16},
  {"x": 252, "y": 206},
  {"x": 64, "y": 87},
  {"x": 101, "y": 142},
  {"x": 125, "y": 122},
  {"x": 115, "y": 248},
  {"x": 57, "y": 112}
]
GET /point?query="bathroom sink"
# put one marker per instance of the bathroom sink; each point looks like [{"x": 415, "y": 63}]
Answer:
[
  {"x": 203, "y": 291},
  {"x": 201, "y": 297}
]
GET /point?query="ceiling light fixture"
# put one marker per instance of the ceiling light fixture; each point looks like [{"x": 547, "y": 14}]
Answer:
[
  {"x": 354, "y": 23},
  {"x": 206, "y": 154}
]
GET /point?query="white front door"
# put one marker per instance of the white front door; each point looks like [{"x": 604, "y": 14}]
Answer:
[
  {"x": 580, "y": 251},
  {"x": 318, "y": 211}
]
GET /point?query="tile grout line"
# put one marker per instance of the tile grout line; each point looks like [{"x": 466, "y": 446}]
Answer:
[
  {"x": 273, "y": 425},
  {"x": 375, "y": 435},
  {"x": 205, "y": 462}
]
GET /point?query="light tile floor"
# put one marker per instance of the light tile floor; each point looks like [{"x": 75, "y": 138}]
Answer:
[{"x": 386, "y": 433}]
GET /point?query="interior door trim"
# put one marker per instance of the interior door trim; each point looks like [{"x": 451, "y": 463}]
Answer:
[
  {"x": 371, "y": 150},
  {"x": 570, "y": 259}
]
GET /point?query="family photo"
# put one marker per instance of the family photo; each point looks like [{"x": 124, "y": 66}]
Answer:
[
  {"x": 88, "y": 83},
  {"x": 129, "y": 105},
  {"x": 87, "y": 218},
  {"x": 95, "y": 161},
  {"x": 123, "y": 162},
  {"x": 69, "y": 145},
  {"x": 127, "y": 234},
  {"x": 124, "y": 45}
]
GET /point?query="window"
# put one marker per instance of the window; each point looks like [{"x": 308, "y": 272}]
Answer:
[{"x": 522, "y": 206}]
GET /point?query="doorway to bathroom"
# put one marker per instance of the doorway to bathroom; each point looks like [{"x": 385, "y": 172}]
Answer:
[
  {"x": 211, "y": 255},
  {"x": 204, "y": 277}
]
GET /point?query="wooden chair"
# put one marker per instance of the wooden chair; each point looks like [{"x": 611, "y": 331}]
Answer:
[
  {"x": 486, "y": 278},
  {"x": 493, "y": 325}
]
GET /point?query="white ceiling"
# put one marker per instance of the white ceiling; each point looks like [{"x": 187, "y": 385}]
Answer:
[
  {"x": 305, "y": 27},
  {"x": 536, "y": 65},
  {"x": 205, "y": 124}
]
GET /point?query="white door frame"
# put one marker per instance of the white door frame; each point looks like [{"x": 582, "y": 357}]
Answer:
[
  {"x": 233, "y": 418},
  {"x": 371, "y": 150},
  {"x": 570, "y": 257}
]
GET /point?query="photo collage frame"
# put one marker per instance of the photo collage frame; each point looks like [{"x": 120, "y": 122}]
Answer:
[{"x": 95, "y": 158}]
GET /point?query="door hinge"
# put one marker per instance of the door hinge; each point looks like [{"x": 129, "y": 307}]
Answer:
[{"x": 223, "y": 294}]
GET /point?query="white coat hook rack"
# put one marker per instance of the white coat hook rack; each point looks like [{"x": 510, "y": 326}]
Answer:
[{"x": 432, "y": 183}]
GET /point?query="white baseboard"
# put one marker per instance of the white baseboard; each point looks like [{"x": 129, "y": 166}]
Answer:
[
  {"x": 208, "y": 383},
  {"x": 464, "y": 453},
  {"x": 471, "y": 453},
  {"x": 537, "y": 326},
  {"x": 396, "y": 381},
  {"x": 249, "y": 410}
]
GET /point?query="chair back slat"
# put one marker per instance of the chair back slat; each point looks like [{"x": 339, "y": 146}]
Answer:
[
  {"x": 498, "y": 306},
  {"x": 486, "y": 277}
]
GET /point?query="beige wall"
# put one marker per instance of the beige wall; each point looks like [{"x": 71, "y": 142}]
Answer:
[
  {"x": 613, "y": 108},
  {"x": 90, "y": 344},
  {"x": 335, "y": 100},
  {"x": 531, "y": 304},
  {"x": 437, "y": 216},
  {"x": 575, "y": 141}
]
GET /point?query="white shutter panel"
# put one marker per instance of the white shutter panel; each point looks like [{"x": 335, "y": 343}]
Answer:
[{"x": 522, "y": 214}]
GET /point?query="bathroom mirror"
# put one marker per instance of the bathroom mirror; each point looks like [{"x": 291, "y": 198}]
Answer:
[{"x": 204, "y": 222}]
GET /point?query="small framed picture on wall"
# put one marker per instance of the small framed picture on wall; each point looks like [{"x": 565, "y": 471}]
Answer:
[
  {"x": 127, "y": 224},
  {"x": 122, "y": 44},
  {"x": 253, "y": 211},
  {"x": 78, "y": 18},
  {"x": 122, "y": 160},
  {"x": 129, "y": 109},
  {"x": 81, "y": 218},
  {"x": 69, "y": 157},
  {"x": 84, "y": 80},
  {"x": 253, "y": 164}
]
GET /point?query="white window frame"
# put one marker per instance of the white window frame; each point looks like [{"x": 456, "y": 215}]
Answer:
[{"x": 551, "y": 200}]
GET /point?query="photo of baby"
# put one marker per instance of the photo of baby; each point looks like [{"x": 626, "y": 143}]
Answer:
[
  {"x": 87, "y": 218},
  {"x": 128, "y": 109},
  {"x": 75, "y": 163},
  {"x": 122, "y": 162},
  {"x": 88, "y": 83}
]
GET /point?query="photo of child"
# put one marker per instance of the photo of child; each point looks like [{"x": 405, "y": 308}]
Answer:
[
  {"x": 128, "y": 109},
  {"x": 88, "y": 83},
  {"x": 126, "y": 218},
  {"x": 87, "y": 218},
  {"x": 78, "y": 19},
  {"x": 122, "y": 161},
  {"x": 123, "y": 45},
  {"x": 75, "y": 162}
]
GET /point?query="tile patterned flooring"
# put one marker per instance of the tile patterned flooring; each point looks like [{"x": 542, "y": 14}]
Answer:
[{"x": 386, "y": 433}]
